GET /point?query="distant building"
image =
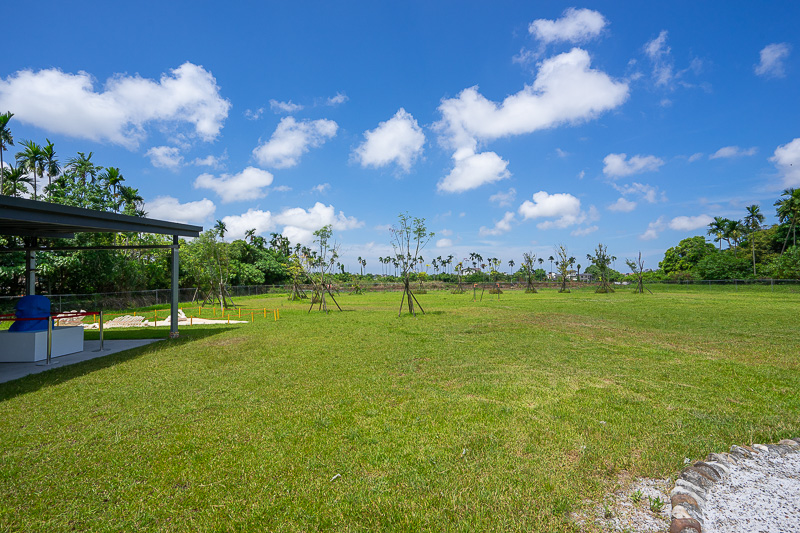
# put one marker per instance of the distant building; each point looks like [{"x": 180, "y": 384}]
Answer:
[{"x": 586, "y": 277}]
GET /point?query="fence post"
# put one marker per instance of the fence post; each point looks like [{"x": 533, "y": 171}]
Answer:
[{"x": 101, "y": 331}]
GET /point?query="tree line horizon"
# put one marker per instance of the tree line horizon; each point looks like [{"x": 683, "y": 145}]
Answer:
[{"x": 752, "y": 249}]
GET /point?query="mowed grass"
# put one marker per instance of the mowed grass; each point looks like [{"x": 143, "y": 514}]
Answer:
[{"x": 501, "y": 415}]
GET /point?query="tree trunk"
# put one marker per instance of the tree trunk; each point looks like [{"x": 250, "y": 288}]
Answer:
[{"x": 407, "y": 283}]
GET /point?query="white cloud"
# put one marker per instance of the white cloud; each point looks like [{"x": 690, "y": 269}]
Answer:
[
  {"x": 322, "y": 188},
  {"x": 210, "y": 161},
  {"x": 501, "y": 226},
  {"x": 504, "y": 199},
  {"x": 664, "y": 73},
  {"x": 284, "y": 107},
  {"x": 398, "y": 140},
  {"x": 249, "y": 184},
  {"x": 165, "y": 157},
  {"x": 622, "y": 205},
  {"x": 646, "y": 192},
  {"x": 772, "y": 58},
  {"x": 561, "y": 153},
  {"x": 566, "y": 90},
  {"x": 445, "y": 232},
  {"x": 444, "y": 243},
  {"x": 787, "y": 160},
  {"x": 684, "y": 223},
  {"x": 695, "y": 157},
  {"x": 472, "y": 170},
  {"x": 563, "y": 207},
  {"x": 659, "y": 54},
  {"x": 292, "y": 139},
  {"x": 339, "y": 99},
  {"x": 616, "y": 165},
  {"x": 298, "y": 224},
  {"x": 733, "y": 151},
  {"x": 238, "y": 225},
  {"x": 169, "y": 208},
  {"x": 575, "y": 25},
  {"x": 68, "y": 104},
  {"x": 282, "y": 188},
  {"x": 253, "y": 115},
  {"x": 582, "y": 232},
  {"x": 653, "y": 229}
]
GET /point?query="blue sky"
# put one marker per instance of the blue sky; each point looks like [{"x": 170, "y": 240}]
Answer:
[{"x": 509, "y": 126}]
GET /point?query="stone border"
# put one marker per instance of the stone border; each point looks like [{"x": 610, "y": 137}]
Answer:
[{"x": 690, "y": 490}]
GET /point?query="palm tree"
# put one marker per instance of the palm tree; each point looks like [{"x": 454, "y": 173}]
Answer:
[
  {"x": 51, "y": 166},
  {"x": 789, "y": 211},
  {"x": 735, "y": 231},
  {"x": 112, "y": 177},
  {"x": 359, "y": 264},
  {"x": 14, "y": 180},
  {"x": 717, "y": 229},
  {"x": 6, "y": 140},
  {"x": 130, "y": 198},
  {"x": 579, "y": 271},
  {"x": 551, "y": 259},
  {"x": 31, "y": 160},
  {"x": 753, "y": 222},
  {"x": 250, "y": 235},
  {"x": 511, "y": 266},
  {"x": 83, "y": 167},
  {"x": 221, "y": 229}
]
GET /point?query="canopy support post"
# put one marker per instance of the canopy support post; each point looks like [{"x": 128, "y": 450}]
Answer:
[
  {"x": 173, "y": 317},
  {"x": 30, "y": 270}
]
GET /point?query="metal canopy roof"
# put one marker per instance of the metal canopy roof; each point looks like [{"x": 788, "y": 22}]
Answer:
[{"x": 29, "y": 218}]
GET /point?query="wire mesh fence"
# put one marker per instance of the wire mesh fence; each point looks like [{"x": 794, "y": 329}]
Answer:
[{"x": 156, "y": 297}]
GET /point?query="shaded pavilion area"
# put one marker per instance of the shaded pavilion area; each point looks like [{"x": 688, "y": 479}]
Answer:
[{"x": 35, "y": 220}]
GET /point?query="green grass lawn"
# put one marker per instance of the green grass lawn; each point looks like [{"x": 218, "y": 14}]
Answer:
[{"x": 496, "y": 415}]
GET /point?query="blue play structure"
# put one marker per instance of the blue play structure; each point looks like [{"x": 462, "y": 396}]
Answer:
[{"x": 31, "y": 306}]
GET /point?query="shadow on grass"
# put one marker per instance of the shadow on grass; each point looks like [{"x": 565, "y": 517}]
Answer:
[{"x": 62, "y": 374}]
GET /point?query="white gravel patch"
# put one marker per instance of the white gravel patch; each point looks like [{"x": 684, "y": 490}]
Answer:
[{"x": 761, "y": 495}]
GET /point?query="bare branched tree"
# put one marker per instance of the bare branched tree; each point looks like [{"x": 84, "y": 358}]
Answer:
[{"x": 637, "y": 267}]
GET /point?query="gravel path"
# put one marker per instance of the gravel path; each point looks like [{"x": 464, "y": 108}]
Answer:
[{"x": 761, "y": 495}]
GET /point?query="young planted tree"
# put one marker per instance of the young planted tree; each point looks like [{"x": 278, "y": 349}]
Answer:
[
  {"x": 564, "y": 263},
  {"x": 323, "y": 261},
  {"x": 209, "y": 261},
  {"x": 637, "y": 267},
  {"x": 529, "y": 270},
  {"x": 601, "y": 260},
  {"x": 459, "y": 272},
  {"x": 297, "y": 272},
  {"x": 409, "y": 237}
]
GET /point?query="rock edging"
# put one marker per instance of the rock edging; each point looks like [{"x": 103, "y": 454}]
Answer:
[{"x": 689, "y": 495}]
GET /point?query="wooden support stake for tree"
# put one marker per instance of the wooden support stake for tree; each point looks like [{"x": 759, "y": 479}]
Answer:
[{"x": 418, "y": 304}]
